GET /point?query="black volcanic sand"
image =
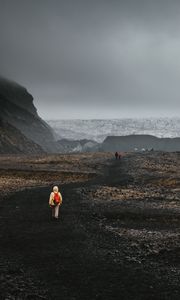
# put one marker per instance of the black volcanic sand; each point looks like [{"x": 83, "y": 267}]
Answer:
[{"x": 82, "y": 256}]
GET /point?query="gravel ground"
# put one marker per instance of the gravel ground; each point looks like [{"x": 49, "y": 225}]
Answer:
[
  {"x": 118, "y": 236},
  {"x": 20, "y": 172}
]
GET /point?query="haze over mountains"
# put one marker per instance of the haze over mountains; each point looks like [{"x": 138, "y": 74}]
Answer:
[
  {"x": 21, "y": 128},
  {"x": 98, "y": 130},
  {"x": 23, "y": 131}
]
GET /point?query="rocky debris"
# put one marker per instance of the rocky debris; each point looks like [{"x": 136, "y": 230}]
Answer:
[
  {"x": 143, "y": 215},
  {"x": 154, "y": 168},
  {"x": 16, "y": 283},
  {"x": 43, "y": 170},
  {"x": 118, "y": 238},
  {"x": 107, "y": 193},
  {"x": 85, "y": 162},
  {"x": 137, "y": 197},
  {"x": 11, "y": 182}
]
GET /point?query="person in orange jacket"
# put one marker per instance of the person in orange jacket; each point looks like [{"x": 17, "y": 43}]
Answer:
[{"x": 55, "y": 200}]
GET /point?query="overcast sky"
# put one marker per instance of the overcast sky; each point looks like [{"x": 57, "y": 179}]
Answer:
[{"x": 95, "y": 58}]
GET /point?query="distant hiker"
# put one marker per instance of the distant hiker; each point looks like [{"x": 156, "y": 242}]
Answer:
[
  {"x": 119, "y": 155},
  {"x": 116, "y": 155},
  {"x": 55, "y": 200}
]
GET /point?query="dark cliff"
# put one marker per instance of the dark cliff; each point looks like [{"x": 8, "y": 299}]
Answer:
[
  {"x": 12, "y": 141},
  {"x": 18, "y": 110}
]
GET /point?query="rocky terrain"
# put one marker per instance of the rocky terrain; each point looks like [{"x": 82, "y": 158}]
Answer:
[
  {"x": 23, "y": 131},
  {"x": 19, "y": 112},
  {"x": 117, "y": 237},
  {"x": 21, "y": 171},
  {"x": 12, "y": 141}
]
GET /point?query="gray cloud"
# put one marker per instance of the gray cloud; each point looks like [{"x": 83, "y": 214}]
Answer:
[{"x": 95, "y": 58}]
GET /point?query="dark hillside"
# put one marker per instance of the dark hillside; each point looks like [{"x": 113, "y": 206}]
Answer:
[
  {"x": 139, "y": 142},
  {"x": 12, "y": 141},
  {"x": 17, "y": 109}
]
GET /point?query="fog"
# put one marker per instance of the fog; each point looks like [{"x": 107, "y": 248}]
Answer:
[{"x": 94, "y": 59}]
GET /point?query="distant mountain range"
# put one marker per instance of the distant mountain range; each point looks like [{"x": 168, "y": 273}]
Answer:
[
  {"x": 123, "y": 134},
  {"x": 69, "y": 146},
  {"x": 23, "y": 131},
  {"x": 98, "y": 130},
  {"x": 139, "y": 143}
]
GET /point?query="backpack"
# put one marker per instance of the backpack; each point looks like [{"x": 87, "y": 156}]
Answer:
[{"x": 56, "y": 199}]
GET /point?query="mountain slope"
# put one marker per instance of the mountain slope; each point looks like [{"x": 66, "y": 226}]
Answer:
[
  {"x": 18, "y": 110},
  {"x": 12, "y": 141}
]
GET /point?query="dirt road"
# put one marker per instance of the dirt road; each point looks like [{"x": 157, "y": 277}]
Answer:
[{"x": 94, "y": 251}]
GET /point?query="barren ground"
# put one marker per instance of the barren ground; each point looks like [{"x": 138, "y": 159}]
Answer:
[
  {"x": 19, "y": 172},
  {"x": 118, "y": 236}
]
